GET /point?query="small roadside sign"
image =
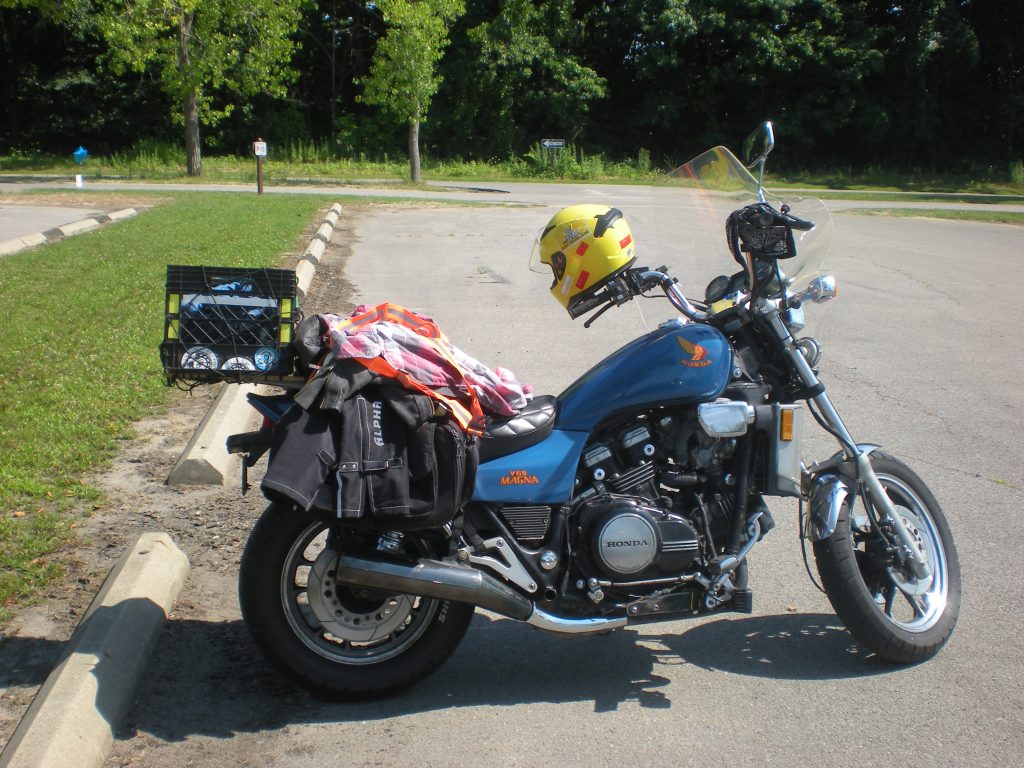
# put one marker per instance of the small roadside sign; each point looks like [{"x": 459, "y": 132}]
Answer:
[
  {"x": 553, "y": 143},
  {"x": 259, "y": 148}
]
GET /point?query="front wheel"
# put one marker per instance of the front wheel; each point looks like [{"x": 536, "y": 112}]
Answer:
[
  {"x": 896, "y": 616},
  {"x": 332, "y": 638}
]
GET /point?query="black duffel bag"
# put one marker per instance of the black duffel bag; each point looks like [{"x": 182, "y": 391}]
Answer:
[{"x": 389, "y": 460}]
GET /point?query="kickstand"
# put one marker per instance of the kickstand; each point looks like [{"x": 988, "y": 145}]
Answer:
[{"x": 245, "y": 474}]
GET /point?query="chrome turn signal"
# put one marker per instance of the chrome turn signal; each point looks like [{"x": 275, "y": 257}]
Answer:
[{"x": 821, "y": 289}]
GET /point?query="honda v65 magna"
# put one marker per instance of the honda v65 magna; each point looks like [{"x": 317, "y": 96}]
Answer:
[{"x": 638, "y": 493}]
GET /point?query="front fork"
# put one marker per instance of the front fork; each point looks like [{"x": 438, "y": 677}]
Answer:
[{"x": 858, "y": 455}]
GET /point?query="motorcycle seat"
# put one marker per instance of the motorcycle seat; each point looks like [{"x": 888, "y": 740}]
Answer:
[{"x": 528, "y": 427}]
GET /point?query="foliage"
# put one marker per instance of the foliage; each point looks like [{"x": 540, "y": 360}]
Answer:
[
  {"x": 930, "y": 86},
  {"x": 403, "y": 76},
  {"x": 516, "y": 76},
  {"x": 54, "y": 95},
  {"x": 199, "y": 49}
]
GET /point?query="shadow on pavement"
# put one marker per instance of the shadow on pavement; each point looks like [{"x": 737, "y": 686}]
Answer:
[
  {"x": 27, "y": 661},
  {"x": 209, "y": 679}
]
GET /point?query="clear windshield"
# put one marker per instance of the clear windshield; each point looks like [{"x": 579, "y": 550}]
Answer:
[{"x": 694, "y": 201}]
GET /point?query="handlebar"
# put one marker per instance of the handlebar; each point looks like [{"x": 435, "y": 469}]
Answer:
[
  {"x": 656, "y": 278},
  {"x": 589, "y": 303},
  {"x": 634, "y": 282}
]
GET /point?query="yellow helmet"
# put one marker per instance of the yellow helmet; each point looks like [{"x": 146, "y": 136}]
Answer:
[{"x": 585, "y": 246}]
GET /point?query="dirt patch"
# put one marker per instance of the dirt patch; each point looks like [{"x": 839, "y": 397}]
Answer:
[
  {"x": 109, "y": 201},
  {"x": 209, "y": 523}
]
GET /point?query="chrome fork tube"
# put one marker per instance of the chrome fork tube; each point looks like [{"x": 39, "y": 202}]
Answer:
[{"x": 865, "y": 472}]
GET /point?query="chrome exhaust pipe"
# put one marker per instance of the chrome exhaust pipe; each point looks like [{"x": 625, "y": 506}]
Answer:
[
  {"x": 444, "y": 581},
  {"x": 541, "y": 619},
  {"x": 432, "y": 578}
]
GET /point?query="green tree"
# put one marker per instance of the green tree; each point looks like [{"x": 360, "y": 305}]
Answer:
[
  {"x": 517, "y": 75},
  {"x": 996, "y": 95},
  {"x": 202, "y": 49},
  {"x": 403, "y": 75},
  {"x": 685, "y": 74}
]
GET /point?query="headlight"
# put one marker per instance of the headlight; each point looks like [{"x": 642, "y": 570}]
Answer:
[{"x": 725, "y": 418}]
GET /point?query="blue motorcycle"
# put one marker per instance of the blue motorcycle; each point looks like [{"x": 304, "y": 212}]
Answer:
[{"x": 638, "y": 493}]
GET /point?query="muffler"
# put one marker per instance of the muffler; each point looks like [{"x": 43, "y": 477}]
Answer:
[
  {"x": 432, "y": 578},
  {"x": 444, "y": 581}
]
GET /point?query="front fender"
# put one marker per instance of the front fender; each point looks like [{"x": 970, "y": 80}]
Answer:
[
  {"x": 828, "y": 485},
  {"x": 829, "y": 492}
]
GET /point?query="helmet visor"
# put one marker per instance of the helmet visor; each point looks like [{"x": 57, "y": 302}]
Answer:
[{"x": 536, "y": 265}]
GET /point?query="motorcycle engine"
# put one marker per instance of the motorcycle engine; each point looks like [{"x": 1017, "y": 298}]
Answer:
[
  {"x": 631, "y": 540},
  {"x": 639, "y": 489}
]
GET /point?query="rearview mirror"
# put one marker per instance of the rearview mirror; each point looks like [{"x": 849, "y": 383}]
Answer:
[
  {"x": 758, "y": 145},
  {"x": 756, "y": 148}
]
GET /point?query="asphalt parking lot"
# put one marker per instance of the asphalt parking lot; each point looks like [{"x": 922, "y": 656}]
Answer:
[
  {"x": 924, "y": 353},
  {"x": 18, "y": 221}
]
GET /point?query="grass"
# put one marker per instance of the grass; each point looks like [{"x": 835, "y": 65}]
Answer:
[
  {"x": 989, "y": 217},
  {"x": 987, "y": 180},
  {"x": 78, "y": 353},
  {"x": 903, "y": 197},
  {"x": 311, "y": 163},
  {"x": 301, "y": 164}
]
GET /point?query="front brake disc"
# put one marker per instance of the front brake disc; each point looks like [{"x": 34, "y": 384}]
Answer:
[{"x": 902, "y": 576}]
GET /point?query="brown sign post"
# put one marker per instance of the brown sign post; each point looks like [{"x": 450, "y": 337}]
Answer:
[{"x": 259, "y": 148}]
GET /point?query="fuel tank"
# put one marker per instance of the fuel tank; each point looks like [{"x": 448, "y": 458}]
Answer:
[{"x": 677, "y": 363}]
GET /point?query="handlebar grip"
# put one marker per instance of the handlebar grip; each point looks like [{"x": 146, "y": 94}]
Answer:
[
  {"x": 802, "y": 224},
  {"x": 588, "y": 304}
]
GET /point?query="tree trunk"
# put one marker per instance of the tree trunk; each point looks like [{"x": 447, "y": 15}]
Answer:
[
  {"x": 189, "y": 101},
  {"x": 193, "y": 151},
  {"x": 414, "y": 151}
]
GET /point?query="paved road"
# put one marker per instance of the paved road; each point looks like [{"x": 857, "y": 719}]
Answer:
[
  {"x": 514, "y": 193},
  {"x": 924, "y": 353}
]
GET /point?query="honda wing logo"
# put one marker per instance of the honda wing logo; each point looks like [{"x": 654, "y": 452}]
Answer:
[{"x": 698, "y": 354}]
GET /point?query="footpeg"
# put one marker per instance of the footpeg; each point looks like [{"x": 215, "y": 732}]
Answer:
[
  {"x": 723, "y": 564},
  {"x": 743, "y": 601}
]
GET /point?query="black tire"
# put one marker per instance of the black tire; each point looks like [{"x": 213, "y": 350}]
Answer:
[
  {"x": 870, "y": 594},
  {"x": 336, "y": 657}
]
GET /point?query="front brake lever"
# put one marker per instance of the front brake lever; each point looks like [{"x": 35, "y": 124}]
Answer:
[{"x": 599, "y": 312}]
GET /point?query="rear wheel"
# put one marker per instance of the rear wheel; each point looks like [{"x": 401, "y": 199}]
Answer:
[
  {"x": 895, "y": 615},
  {"x": 333, "y": 638}
]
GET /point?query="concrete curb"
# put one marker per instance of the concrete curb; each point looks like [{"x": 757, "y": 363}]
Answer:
[
  {"x": 124, "y": 213},
  {"x": 73, "y": 717},
  {"x": 21, "y": 243},
  {"x": 205, "y": 460},
  {"x": 310, "y": 259},
  {"x": 82, "y": 225}
]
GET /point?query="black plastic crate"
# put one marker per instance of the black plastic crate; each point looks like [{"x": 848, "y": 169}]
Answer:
[{"x": 229, "y": 324}]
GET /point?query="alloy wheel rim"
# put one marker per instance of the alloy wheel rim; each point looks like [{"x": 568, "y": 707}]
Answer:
[
  {"x": 343, "y": 624},
  {"x": 903, "y": 601}
]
